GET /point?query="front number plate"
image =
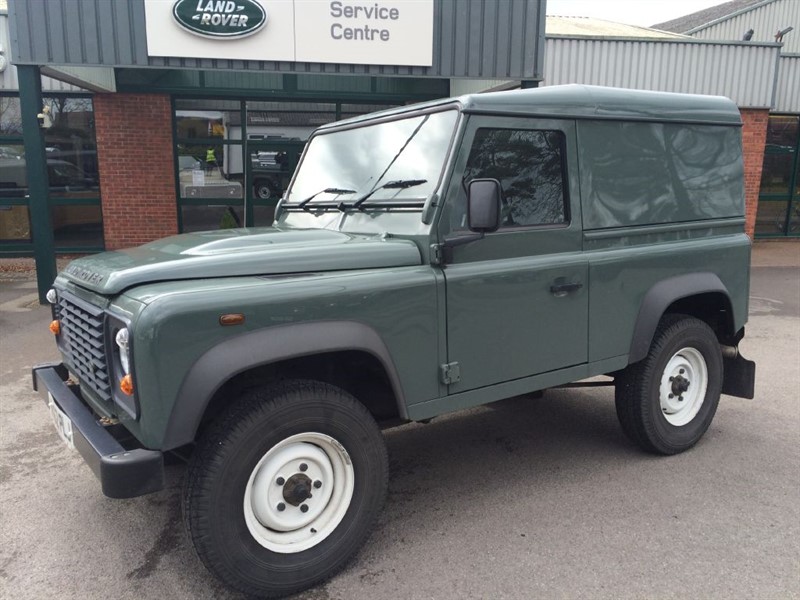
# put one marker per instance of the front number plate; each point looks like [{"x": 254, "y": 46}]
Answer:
[{"x": 61, "y": 421}]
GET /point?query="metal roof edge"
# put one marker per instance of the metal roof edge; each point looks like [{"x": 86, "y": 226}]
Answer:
[
  {"x": 735, "y": 13},
  {"x": 603, "y": 38}
]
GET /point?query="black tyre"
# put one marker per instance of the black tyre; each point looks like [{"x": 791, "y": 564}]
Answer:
[
  {"x": 264, "y": 189},
  {"x": 285, "y": 487},
  {"x": 665, "y": 402}
]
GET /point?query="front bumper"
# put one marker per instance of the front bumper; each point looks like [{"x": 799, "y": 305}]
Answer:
[{"x": 122, "y": 473}]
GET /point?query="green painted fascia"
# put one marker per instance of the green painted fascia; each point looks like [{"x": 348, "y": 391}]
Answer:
[{"x": 277, "y": 86}]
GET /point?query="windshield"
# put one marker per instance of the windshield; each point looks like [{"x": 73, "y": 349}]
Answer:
[{"x": 367, "y": 158}]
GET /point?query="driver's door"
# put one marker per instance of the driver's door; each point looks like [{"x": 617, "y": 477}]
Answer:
[{"x": 517, "y": 300}]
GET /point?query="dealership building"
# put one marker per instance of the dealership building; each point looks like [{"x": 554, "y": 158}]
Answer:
[{"x": 128, "y": 120}]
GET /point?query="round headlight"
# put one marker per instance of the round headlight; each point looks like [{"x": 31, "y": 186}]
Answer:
[
  {"x": 52, "y": 296},
  {"x": 124, "y": 352}
]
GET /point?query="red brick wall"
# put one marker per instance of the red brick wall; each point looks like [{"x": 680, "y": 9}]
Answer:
[
  {"x": 754, "y": 138},
  {"x": 137, "y": 174}
]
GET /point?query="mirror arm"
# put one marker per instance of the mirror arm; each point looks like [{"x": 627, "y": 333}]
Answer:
[{"x": 459, "y": 240}]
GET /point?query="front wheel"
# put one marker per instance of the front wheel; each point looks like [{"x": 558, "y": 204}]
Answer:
[
  {"x": 665, "y": 402},
  {"x": 285, "y": 487}
]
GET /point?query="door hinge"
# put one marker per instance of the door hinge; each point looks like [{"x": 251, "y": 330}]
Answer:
[
  {"x": 437, "y": 254},
  {"x": 451, "y": 373}
]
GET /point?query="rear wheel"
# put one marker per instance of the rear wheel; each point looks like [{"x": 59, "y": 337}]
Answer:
[
  {"x": 285, "y": 487},
  {"x": 665, "y": 402}
]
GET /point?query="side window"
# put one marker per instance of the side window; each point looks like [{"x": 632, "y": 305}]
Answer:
[{"x": 530, "y": 167}]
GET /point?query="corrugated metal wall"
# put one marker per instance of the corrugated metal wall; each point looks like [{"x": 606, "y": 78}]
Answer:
[
  {"x": 472, "y": 38},
  {"x": 8, "y": 78},
  {"x": 459, "y": 87},
  {"x": 787, "y": 94},
  {"x": 764, "y": 20},
  {"x": 743, "y": 72}
]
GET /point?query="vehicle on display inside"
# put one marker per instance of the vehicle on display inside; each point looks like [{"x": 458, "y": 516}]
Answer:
[{"x": 423, "y": 260}]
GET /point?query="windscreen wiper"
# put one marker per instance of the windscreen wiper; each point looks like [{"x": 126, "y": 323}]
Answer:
[
  {"x": 399, "y": 184},
  {"x": 330, "y": 190}
]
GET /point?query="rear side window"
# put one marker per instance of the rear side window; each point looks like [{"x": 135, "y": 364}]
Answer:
[
  {"x": 530, "y": 167},
  {"x": 650, "y": 173}
]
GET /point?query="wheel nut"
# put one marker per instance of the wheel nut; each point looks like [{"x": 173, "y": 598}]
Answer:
[
  {"x": 303, "y": 467},
  {"x": 672, "y": 379},
  {"x": 280, "y": 481},
  {"x": 681, "y": 371},
  {"x": 303, "y": 508},
  {"x": 317, "y": 484},
  {"x": 672, "y": 395},
  {"x": 680, "y": 398},
  {"x": 281, "y": 506}
]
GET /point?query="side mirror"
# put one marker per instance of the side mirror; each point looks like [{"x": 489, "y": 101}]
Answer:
[{"x": 483, "y": 205}]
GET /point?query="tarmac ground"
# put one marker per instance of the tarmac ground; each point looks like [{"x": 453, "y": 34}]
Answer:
[{"x": 525, "y": 498}]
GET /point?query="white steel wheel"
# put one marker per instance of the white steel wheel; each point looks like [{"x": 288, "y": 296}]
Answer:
[
  {"x": 666, "y": 401},
  {"x": 284, "y": 487},
  {"x": 299, "y": 492},
  {"x": 683, "y": 386}
]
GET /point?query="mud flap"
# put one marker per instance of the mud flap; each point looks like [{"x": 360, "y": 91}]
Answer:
[{"x": 739, "y": 377}]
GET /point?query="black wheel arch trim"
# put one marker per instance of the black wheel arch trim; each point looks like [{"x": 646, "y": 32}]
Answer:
[
  {"x": 263, "y": 347},
  {"x": 659, "y": 297}
]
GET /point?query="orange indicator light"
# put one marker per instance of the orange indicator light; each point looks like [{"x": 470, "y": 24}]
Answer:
[
  {"x": 231, "y": 319},
  {"x": 126, "y": 385},
  {"x": 55, "y": 327}
]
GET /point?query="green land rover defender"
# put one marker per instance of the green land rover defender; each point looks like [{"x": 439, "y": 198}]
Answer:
[{"x": 424, "y": 259}]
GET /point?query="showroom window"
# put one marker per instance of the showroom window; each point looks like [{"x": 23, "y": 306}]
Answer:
[
  {"x": 779, "y": 198},
  {"x": 235, "y": 158},
  {"x": 71, "y": 153}
]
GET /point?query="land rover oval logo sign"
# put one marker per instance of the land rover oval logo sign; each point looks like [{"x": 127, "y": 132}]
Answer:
[{"x": 220, "y": 18}]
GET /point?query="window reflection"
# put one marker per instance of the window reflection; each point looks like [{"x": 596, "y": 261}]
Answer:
[
  {"x": 210, "y": 170},
  {"x": 643, "y": 173},
  {"x": 207, "y": 218},
  {"x": 10, "y": 116},
  {"x": 529, "y": 166},
  {"x": 13, "y": 172},
  {"x": 15, "y": 224},
  {"x": 72, "y": 172},
  {"x": 782, "y": 131},
  {"x": 71, "y": 149},
  {"x": 776, "y": 173},
  {"x": 77, "y": 226},
  {"x": 367, "y": 157},
  {"x": 202, "y": 119},
  {"x": 771, "y": 217}
]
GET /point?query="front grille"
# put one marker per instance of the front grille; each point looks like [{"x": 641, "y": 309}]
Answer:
[{"x": 83, "y": 342}]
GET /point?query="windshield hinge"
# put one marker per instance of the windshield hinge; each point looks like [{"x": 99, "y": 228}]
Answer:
[
  {"x": 451, "y": 373},
  {"x": 437, "y": 254}
]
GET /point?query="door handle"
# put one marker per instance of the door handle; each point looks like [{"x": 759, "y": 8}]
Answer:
[{"x": 559, "y": 290}]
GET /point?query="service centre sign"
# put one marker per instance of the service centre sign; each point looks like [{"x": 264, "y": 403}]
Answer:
[{"x": 376, "y": 32}]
